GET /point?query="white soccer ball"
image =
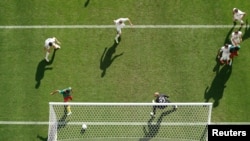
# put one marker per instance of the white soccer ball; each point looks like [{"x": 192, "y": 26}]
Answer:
[{"x": 84, "y": 126}]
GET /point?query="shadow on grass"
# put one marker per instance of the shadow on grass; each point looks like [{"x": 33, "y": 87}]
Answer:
[
  {"x": 86, "y": 3},
  {"x": 153, "y": 129},
  {"x": 42, "y": 138},
  {"x": 227, "y": 38},
  {"x": 107, "y": 58},
  {"x": 247, "y": 32},
  {"x": 218, "y": 64},
  {"x": 41, "y": 68},
  {"x": 62, "y": 121},
  {"x": 216, "y": 90}
]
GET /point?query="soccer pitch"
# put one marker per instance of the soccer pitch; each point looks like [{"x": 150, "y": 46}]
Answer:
[{"x": 171, "y": 49}]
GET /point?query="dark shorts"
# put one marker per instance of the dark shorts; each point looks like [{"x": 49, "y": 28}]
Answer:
[{"x": 66, "y": 99}]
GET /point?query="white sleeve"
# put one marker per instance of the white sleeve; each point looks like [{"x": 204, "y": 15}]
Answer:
[
  {"x": 123, "y": 19},
  {"x": 240, "y": 12}
]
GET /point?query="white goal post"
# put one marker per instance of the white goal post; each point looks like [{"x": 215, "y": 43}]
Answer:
[{"x": 128, "y": 122}]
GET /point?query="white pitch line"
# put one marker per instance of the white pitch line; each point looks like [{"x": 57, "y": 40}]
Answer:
[
  {"x": 24, "y": 122},
  {"x": 112, "y": 26},
  {"x": 117, "y": 123}
]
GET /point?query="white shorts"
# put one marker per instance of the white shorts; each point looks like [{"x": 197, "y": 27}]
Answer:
[
  {"x": 238, "y": 17},
  {"x": 225, "y": 56},
  {"x": 236, "y": 41},
  {"x": 119, "y": 30}
]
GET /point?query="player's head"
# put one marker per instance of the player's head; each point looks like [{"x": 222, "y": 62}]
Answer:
[
  {"x": 226, "y": 45},
  {"x": 235, "y": 10},
  {"x": 67, "y": 91},
  {"x": 120, "y": 22},
  {"x": 50, "y": 44},
  {"x": 237, "y": 48},
  {"x": 156, "y": 94}
]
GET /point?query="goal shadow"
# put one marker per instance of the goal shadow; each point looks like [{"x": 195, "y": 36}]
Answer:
[
  {"x": 153, "y": 129},
  {"x": 62, "y": 122}
]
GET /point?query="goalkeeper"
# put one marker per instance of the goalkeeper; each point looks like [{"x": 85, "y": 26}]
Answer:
[{"x": 160, "y": 98}]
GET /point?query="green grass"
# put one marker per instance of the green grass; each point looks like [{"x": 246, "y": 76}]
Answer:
[{"x": 179, "y": 62}]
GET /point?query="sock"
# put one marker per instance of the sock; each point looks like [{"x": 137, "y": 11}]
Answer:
[
  {"x": 47, "y": 55},
  {"x": 68, "y": 109},
  {"x": 117, "y": 36}
]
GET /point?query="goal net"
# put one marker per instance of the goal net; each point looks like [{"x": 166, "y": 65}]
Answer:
[{"x": 129, "y": 122}]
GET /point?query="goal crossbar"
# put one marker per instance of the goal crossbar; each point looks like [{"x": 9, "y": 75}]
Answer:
[{"x": 127, "y": 104}]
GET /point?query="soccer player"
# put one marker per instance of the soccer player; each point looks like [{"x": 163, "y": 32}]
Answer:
[
  {"x": 224, "y": 54},
  {"x": 120, "y": 23},
  {"x": 160, "y": 98},
  {"x": 67, "y": 97},
  {"x": 236, "y": 38},
  {"x": 238, "y": 16},
  {"x": 50, "y": 42},
  {"x": 234, "y": 51}
]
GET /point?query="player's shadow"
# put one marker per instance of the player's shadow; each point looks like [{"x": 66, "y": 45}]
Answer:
[
  {"x": 42, "y": 138},
  {"x": 86, "y": 3},
  {"x": 218, "y": 64},
  {"x": 108, "y": 57},
  {"x": 61, "y": 123},
  {"x": 247, "y": 32},
  {"x": 153, "y": 129},
  {"x": 227, "y": 38},
  {"x": 41, "y": 68},
  {"x": 216, "y": 90}
]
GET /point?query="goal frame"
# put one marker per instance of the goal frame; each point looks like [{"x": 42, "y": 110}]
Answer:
[{"x": 53, "y": 120}]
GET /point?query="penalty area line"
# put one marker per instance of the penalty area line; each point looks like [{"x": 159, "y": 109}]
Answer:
[
  {"x": 111, "y": 26},
  {"x": 24, "y": 123}
]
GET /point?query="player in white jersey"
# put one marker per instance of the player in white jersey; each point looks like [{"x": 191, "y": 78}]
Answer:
[
  {"x": 50, "y": 42},
  {"x": 236, "y": 38},
  {"x": 238, "y": 16},
  {"x": 224, "y": 54},
  {"x": 120, "y": 23}
]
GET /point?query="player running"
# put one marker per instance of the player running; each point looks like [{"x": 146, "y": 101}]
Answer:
[
  {"x": 238, "y": 15},
  {"x": 224, "y": 54},
  {"x": 120, "y": 23},
  {"x": 236, "y": 38},
  {"x": 50, "y": 42}
]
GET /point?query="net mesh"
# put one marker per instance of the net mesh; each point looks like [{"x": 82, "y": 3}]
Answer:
[{"x": 129, "y": 121}]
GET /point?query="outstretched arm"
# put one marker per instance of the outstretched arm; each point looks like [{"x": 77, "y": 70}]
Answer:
[
  {"x": 54, "y": 92},
  {"x": 130, "y": 22},
  {"x": 57, "y": 41}
]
